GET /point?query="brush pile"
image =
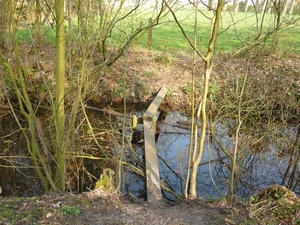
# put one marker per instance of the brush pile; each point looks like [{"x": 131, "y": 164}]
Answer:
[{"x": 276, "y": 204}]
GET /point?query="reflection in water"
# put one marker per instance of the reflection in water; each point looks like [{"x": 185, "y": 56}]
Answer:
[
  {"x": 17, "y": 176},
  {"x": 258, "y": 170}
]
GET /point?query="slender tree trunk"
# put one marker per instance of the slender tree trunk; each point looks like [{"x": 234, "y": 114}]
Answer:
[
  {"x": 277, "y": 12},
  {"x": 37, "y": 22},
  {"x": 236, "y": 8},
  {"x": 264, "y": 6},
  {"x": 211, "y": 4},
  {"x": 208, "y": 59},
  {"x": 285, "y": 6},
  {"x": 235, "y": 156},
  {"x": 257, "y": 5},
  {"x": 246, "y": 6},
  {"x": 194, "y": 131},
  {"x": 11, "y": 15},
  {"x": 69, "y": 16},
  {"x": 60, "y": 93},
  {"x": 292, "y": 7}
]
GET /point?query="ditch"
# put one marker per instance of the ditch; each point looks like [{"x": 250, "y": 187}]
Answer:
[{"x": 259, "y": 168}]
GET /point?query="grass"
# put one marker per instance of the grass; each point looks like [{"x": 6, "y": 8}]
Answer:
[
  {"x": 15, "y": 211},
  {"x": 47, "y": 35},
  {"x": 71, "y": 210},
  {"x": 236, "y": 30}
]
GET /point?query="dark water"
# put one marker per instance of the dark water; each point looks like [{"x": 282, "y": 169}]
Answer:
[
  {"x": 257, "y": 171},
  {"x": 17, "y": 176}
]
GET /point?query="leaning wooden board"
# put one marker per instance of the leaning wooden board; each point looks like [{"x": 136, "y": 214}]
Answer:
[{"x": 151, "y": 161}]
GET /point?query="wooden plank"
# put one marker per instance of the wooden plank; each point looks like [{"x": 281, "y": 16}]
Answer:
[
  {"x": 151, "y": 164},
  {"x": 151, "y": 161},
  {"x": 152, "y": 109}
]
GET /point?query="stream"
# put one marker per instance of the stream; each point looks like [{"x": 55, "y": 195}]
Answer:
[{"x": 257, "y": 170}]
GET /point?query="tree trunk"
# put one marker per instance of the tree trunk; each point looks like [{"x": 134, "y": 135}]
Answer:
[
  {"x": 11, "y": 15},
  {"x": 208, "y": 69},
  {"x": 225, "y": 6},
  {"x": 211, "y": 4},
  {"x": 285, "y": 6},
  {"x": 37, "y": 22},
  {"x": 236, "y": 8},
  {"x": 292, "y": 7},
  {"x": 264, "y": 6},
  {"x": 246, "y": 6},
  {"x": 60, "y": 93}
]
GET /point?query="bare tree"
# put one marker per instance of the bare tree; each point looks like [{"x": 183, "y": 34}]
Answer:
[
  {"x": 246, "y": 5},
  {"x": 293, "y": 4},
  {"x": 87, "y": 40},
  {"x": 236, "y": 6},
  {"x": 197, "y": 151}
]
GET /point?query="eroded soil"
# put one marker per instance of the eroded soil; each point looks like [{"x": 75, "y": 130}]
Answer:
[{"x": 94, "y": 209}]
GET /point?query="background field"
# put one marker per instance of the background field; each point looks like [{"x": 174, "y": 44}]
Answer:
[{"x": 236, "y": 30}]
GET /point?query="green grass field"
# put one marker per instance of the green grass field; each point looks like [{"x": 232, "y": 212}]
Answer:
[
  {"x": 25, "y": 35},
  {"x": 236, "y": 31}
]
